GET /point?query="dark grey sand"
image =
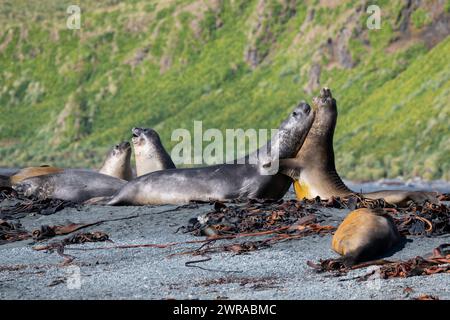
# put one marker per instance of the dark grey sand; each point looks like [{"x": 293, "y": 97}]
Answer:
[{"x": 279, "y": 272}]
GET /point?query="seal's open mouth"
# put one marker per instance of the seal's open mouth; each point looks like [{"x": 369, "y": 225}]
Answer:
[{"x": 136, "y": 132}]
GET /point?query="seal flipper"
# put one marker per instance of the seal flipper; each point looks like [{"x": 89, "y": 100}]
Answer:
[
  {"x": 290, "y": 167},
  {"x": 98, "y": 200}
]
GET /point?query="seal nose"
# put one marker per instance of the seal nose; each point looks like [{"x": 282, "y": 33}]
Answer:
[
  {"x": 124, "y": 145},
  {"x": 304, "y": 107},
  {"x": 136, "y": 132}
]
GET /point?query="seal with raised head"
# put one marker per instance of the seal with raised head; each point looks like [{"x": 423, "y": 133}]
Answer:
[
  {"x": 226, "y": 181},
  {"x": 314, "y": 169},
  {"x": 364, "y": 235},
  {"x": 117, "y": 163},
  {"x": 149, "y": 152},
  {"x": 71, "y": 185}
]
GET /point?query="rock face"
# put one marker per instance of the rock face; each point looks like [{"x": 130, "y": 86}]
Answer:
[
  {"x": 262, "y": 33},
  {"x": 314, "y": 79}
]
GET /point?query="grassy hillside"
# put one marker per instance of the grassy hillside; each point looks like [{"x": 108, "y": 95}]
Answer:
[{"x": 67, "y": 95}]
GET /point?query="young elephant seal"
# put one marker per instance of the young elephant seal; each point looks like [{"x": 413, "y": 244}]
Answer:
[
  {"x": 117, "y": 163},
  {"x": 149, "y": 152},
  {"x": 364, "y": 235},
  {"x": 71, "y": 185},
  {"x": 314, "y": 169},
  {"x": 225, "y": 181}
]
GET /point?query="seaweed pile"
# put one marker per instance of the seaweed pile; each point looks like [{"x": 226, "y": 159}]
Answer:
[
  {"x": 259, "y": 216},
  {"x": 14, "y": 231},
  {"x": 280, "y": 220},
  {"x": 19, "y": 206},
  {"x": 253, "y": 216},
  {"x": 427, "y": 219}
]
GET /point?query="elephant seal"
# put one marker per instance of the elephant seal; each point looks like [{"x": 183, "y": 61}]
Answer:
[
  {"x": 149, "y": 152},
  {"x": 117, "y": 163},
  {"x": 314, "y": 170},
  {"x": 33, "y": 172},
  {"x": 364, "y": 235},
  {"x": 224, "y": 181},
  {"x": 71, "y": 185}
]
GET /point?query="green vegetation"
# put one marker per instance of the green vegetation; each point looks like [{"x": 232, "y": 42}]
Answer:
[
  {"x": 66, "y": 95},
  {"x": 420, "y": 18}
]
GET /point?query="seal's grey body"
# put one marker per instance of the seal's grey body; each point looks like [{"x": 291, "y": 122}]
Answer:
[
  {"x": 149, "y": 152},
  {"x": 71, "y": 184},
  {"x": 225, "y": 181},
  {"x": 314, "y": 169}
]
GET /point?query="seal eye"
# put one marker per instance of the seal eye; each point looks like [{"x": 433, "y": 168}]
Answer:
[{"x": 294, "y": 114}]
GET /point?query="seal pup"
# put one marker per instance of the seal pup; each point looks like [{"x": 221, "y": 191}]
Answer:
[
  {"x": 364, "y": 235},
  {"x": 70, "y": 185},
  {"x": 149, "y": 152},
  {"x": 314, "y": 170},
  {"x": 224, "y": 181},
  {"x": 117, "y": 163}
]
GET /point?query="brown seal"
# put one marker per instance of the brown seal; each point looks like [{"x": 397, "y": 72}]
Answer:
[
  {"x": 314, "y": 169},
  {"x": 364, "y": 235}
]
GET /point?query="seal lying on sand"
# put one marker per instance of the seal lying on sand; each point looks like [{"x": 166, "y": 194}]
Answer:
[
  {"x": 364, "y": 235},
  {"x": 117, "y": 163},
  {"x": 71, "y": 185},
  {"x": 149, "y": 153},
  {"x": 314, "y": 169},
  {"x": 225, "y": 181},
  {"x": 32, "y": 172}
]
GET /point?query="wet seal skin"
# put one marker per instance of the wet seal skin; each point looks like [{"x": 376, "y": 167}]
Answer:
[
  {"x": 225, "y": 181},
  {"x": 365, "y": 234},
  {"x": 149, "y": 152},
  {"x": 314, "y": 170},
  {"x": 117, "y": 163}
]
